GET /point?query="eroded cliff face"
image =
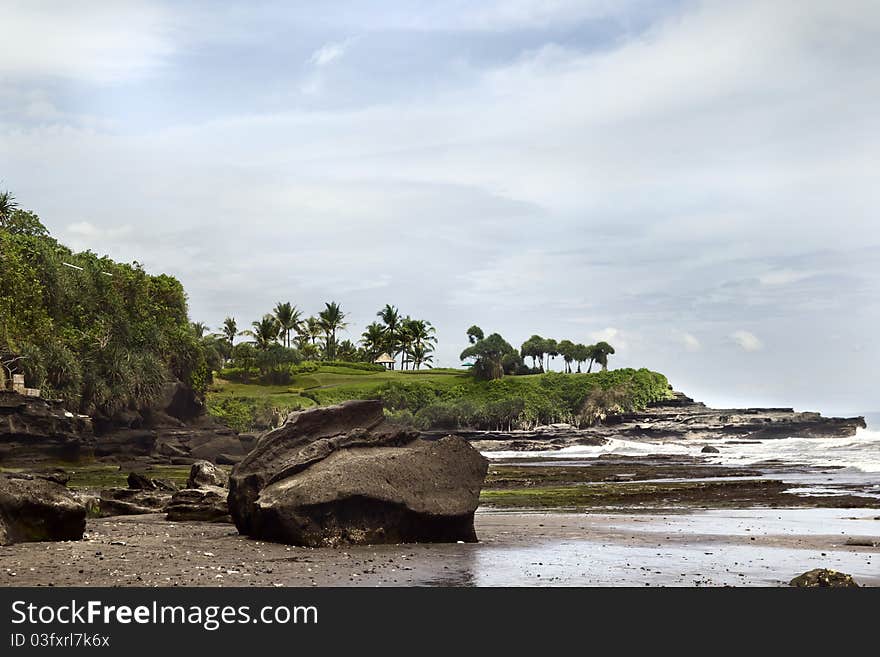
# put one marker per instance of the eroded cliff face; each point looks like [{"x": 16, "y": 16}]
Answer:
[
  {"x": 32, "y": 428},
  {"x": 175, "y": 431}
]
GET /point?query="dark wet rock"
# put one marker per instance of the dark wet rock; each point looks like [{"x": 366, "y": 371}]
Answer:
[
  {"x": 37, "y": 509},
  {"x": 32, "y": 428},
  {"x": 130, "y": 501},
  {"x": 207, "y": 503},
  {"x": 342, "y": 474},
  {"x": 709, "y": 449},
  {"x": 140, "y": 481},
  {"x": 204, "y": 474},
  {"x": 823, "y": 578}
]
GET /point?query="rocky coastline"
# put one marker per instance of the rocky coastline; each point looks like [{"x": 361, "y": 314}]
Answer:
[{"x": 679, "y": 418}]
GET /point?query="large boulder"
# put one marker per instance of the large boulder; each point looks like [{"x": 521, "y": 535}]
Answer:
[
  {"x": 37, "y": 509},
  {"x": 342, "y": 474}
]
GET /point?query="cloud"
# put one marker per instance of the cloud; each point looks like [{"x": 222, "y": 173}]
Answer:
[
  {"x": 330, "y": 52},
  {"x": 782, "y": 277},
  {"x": 690, "y": 342},
  {"x": 91, "y": 41},
  {"x": 747, "y": 341}
]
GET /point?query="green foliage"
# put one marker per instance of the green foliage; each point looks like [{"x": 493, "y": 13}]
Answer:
[
  {"x": 100, "y": 335},
  {"x": 493, "y": 356}
]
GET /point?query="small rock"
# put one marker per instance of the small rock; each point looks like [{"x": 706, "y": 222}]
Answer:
[{"x": 823, "y": 577}]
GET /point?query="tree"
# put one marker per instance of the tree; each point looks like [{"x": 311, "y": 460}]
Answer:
[
  {"x": 229, "y": 330},
  {"x": 288, "y": 317},
  {"x": 348, "y": 351},
  {"x": 415, "y": 333},
  {"x": 421, "y": 354},
  {"x": 311, "y": 330},
  {"x": 489, "y": 353},
  {"x": 332, "y": 319},
  {"x": 566, "y": 349},
  {"x": 601, "y": 351},
  {"x": 8, "y": 205},
  {"x": 581, "y": 354},
  {"x": 534, "y": 348},
  {"x": 373, "y": 340},
  {"x": 391, "y": 318},
  {"x": 551, "y": 349},
  {"x": 200, "y": 329},
  {"x": 475, "y": 334},
  {"x": 265, "y": 332}
]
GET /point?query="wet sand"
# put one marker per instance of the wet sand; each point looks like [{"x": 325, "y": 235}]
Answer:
[{"x": 741, "y": 547}]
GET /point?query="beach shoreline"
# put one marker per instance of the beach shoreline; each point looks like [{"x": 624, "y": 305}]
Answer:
[{"x": 741, "y": 547}]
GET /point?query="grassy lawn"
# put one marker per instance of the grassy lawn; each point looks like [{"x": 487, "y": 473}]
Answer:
[{"x": 335, "y": 383}]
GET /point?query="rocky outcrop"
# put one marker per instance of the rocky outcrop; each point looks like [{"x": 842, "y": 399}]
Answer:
[
  {"x": 823, "y": 578},
  {"x": 32, "y": 428},
  {"x": 342, "y": 474},
  {"x": 37, "y": 509},
  {"x": 679, "y": 418},
  {"x": 207, "y": 503}
]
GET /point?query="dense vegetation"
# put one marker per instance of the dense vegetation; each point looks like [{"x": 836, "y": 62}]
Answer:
[
  {"x": 101, "y": 335},
  {"x": 447, "y": 399}
]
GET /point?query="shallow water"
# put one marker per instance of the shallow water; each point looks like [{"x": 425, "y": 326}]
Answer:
[{"x": 709, "y": 548}]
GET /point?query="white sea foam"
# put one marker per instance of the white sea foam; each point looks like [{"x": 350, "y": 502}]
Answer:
[{"x": 860, "y": 452}]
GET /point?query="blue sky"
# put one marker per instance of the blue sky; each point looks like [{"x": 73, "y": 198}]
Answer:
[{"x": 693, "y": 181}]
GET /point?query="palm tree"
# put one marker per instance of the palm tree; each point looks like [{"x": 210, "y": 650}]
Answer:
[
  {"x": 312, "y": 329},
  {"x": 421, "y": 353},
  {"x": 265, "y": 332},
  {"x": 391, "y": 318},
  {"x": 332, "y": 319},
  {"x": 229, "y": 330},
  {"x": 373, "y": 340},
  {"x": 420, "y": 337},
  {"x": 288, "y": 317},
  {"x": 8, "y": 205},
  {"x": 199, "y": 328}
]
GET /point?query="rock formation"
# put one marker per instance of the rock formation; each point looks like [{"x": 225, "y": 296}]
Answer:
[
  {"x": 37, "y": 509},
  {"x": 32, "y": 428},
  {"x": 342, "y": 474},
  {"x": 204, "y": 497}
]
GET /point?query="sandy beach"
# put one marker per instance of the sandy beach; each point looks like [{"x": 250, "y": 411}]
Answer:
[{"x": 751, "y": 547}]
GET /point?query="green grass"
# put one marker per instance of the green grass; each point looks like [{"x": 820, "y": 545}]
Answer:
[{"x": 349, "y": 383}]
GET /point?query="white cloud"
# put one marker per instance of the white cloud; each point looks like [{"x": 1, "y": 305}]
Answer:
[
  {"x": 89, "y": 40},
  {"x": 690, "y": 342},
  {"x": 330, "y": 52},
  {"x": 782, "y": 277},
  {"x": 747, "y": 341}
]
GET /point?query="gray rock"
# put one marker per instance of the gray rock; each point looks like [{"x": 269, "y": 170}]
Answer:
[
  {"x": 36, "y": 509},
  {"x": 342, "y": 474},
  {"x": 207, "y": 503},
  {"x": 709, "y": 449},
  {"x": 204, "y": 474}
]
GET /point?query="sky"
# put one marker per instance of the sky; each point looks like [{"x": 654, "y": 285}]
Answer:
[{"x": 693, "y": 182}]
